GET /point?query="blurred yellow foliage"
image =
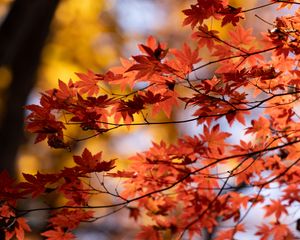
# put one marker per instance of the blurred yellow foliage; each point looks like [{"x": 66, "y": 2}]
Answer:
[
  {"x": 5, "y": 76},
  {"x": 75, "y": 42}
]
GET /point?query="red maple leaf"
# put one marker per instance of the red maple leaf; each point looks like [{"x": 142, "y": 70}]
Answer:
[
  {"x": 88, "y": 83},
  {"x": 36, "y": 184},
  {"x": 275, "y": 207},
  {"x": 154, "y": 49},
  {"x": 205, "y": 37},
  {"x": 229, "y": 234},
  {"x": 42, "y": 122},
  {"x": 148, "y": 232},
  {"x": 93, "y": 163},
  {"x": 260, "y": 127},
  {"x": 187, "y": 57},
  {"x": 240, "y": 36},
  {"x": 214, "y": 138},
  {"x": 65, "y": 92},
  {"x": 134, "y": 213},
  {"x": 20, "y": 226},
  {"x": 58, "y": 234},
  {"x": 282, "y": 231},
  {"x": 232, "y": 15}
]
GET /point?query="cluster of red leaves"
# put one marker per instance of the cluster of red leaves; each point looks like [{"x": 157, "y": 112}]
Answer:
[
  {"x": 194, "y": 185},
  {"x": 69, "y": 182}
]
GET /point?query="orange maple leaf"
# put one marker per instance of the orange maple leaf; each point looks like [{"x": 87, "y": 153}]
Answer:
[
  {"x": 214, "y": 138},
  {"x": 88, "y": 83},
  {"x": 276, "y": 207},
  {"x": 58, "y": 234}
]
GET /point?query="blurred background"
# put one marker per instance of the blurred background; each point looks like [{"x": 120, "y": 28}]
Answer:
[{"x": 42, "y": 41}]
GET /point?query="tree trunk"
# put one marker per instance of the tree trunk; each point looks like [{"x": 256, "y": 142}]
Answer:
[{"x": 22, "y": 37}]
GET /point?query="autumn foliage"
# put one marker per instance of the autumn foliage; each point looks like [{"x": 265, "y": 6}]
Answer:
[{"x": 194, "y": 187}]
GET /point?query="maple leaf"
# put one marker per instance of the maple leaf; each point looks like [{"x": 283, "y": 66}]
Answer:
[
  {"x": 8, "y": 191},
  {"x": 167, "y": 104},
  {"x": 197, "y": 13},
  {"x": 124, "y": 78},
  {"x": 226, "y": 66},
  {"x": 134, "y": 213},
  {"x": 88, "y": 83},
  {"x": 252, "y": 59},
  {"x": 9, "y": 235},
  {"x": 264, "y": 232},
  {"x": 282, "y": 231},
  {"x": 93, "y": 163},
  {"x": 248, "y": 169},
  {"x": 215, "y": 139},
  {"x": 236, "y": 115},
  {"x": 275, "y": 207},
  {"x": 292, "y": 193},
  {"x": 42, "y": 122},
  {"x": 22, "y": 226},
  {"x": 229, "y": 234},
  {"x": 205, "y": 37},
  {"x": 232, "y": 15},
  {"x": 70, "y": 219},
  {"x": 65, "y": 92},
  {"x": 155, "y": 49},
  {"x": 73, "y": 189},
  {"x": 186, "y": 57},
  {"x": 58, "y": 234},
  {"x": 149, "y": 97},
  {"x": 57, "y": 141},
  {"x": 145, "y": 66},
  {"x": 221, "y": 51},
  {"x": 238, "y": 200},
  {"x": 240, "y": 36},
  {"x": 6, "y": 212},
  {"x": 19, "y": 228},
  {"x": 92, "y": 112},
  {"x": 36, "y": 184},
  {"x": 33, "y": 185},
  {"x": 260, "y": 127},
  {"x": 148, "y": 232},
  {"x": 194, "y": 15}
]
